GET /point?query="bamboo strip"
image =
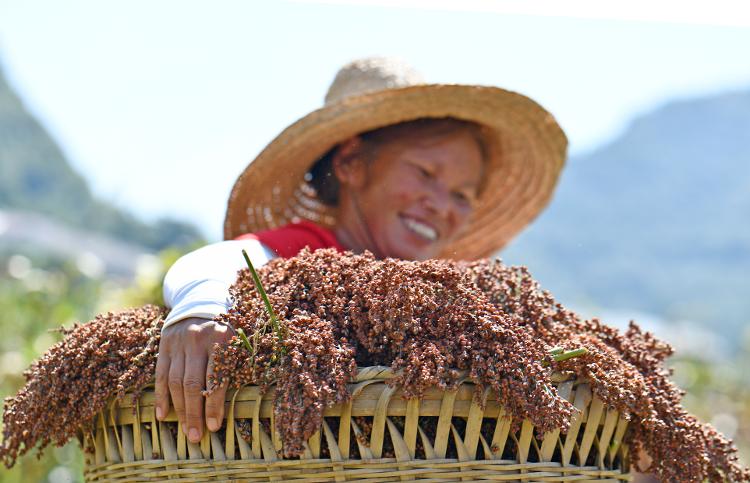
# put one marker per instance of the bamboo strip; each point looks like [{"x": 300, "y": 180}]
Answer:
[
  {"x": 333, "y": 446},
  {"x": 314, "y": 443},
  {"x": 364, "y": 450},
  {"x": 137, "y": 440},
  {"x": 486, "y": 447},
  {"x": 100, "y": 453},
  {"x": 168, "y": 447},
  {"x": 377, "y": 436},
  {"x": 345, "y": 429},
  {"x": 269, "y": 453},
  {"x": 217, "y": 449},
  {"x": 275, "y": 436},
  {"x": 146, "y": 445},
  {"x": 582, "y": 400},
  {"x": 524, "y": 441},
  {"x": 181, "y": 442},
  {"x": 113, "y": 427},
  {"x": 105, "y": 434},
  {"x": 128, "y": 444},
  {"x": 306, "y": 453},
  {"x": 410, "y": 425},
  {"x": 194, "y": 451},
  {"x": 245, "y": 452},
  {"x": 255, "y": 443},
  {"x": 156, "y": 440},
  {"x": 167, "y": 443},
  {"x": 444, "y": 423},
  {"x": 345, "y": 418},
  {"x": 463, "y": 455},
  {"x": 205, "y": 444},
  {"x": 429, "y": 452},
  {"x": 610, "y": 422},
  {"x": 112, "y": 454},
  {"x": 399, "y": 448},
  {"x": 551, "y": 439},
  {"x": 500, "y": 435},
  {"x": 622, "y": 425},
  {"x": 596, "y": 411},
  {"x": 474, "y": 424},
  {"x": 335, "y": 451},
  {"x": 229, "y": 444}
]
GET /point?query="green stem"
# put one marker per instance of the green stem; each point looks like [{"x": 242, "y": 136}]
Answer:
[
  {"x": 263, "y": 295},
  {"x": 564, "y": 356},
  {"x": 244, "y": 340},
  {"x": 558, "y": 354}
]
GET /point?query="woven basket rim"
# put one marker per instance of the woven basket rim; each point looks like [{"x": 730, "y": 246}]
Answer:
[{"x": 596, "y": 432}]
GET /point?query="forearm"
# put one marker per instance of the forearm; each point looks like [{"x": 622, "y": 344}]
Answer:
[{"x": 197, "y": 285}]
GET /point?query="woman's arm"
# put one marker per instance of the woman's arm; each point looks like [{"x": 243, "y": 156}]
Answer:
[
  {"x": 196, "y": 288},
  {"x": 197, "y": 285}
]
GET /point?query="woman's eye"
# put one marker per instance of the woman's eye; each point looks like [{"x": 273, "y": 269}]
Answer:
[
  {"x": 462, "y": 198},
  {"x": 423, "y": 171}
]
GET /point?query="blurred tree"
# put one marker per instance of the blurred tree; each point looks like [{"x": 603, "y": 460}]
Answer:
[{"x": 38, "y": 296}]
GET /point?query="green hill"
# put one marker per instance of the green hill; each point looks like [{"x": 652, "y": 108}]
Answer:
[
  {"x": 657, "y": 220},
  {"x": 35, "y": 176}
]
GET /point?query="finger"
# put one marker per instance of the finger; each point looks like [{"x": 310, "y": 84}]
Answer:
[
  {"x": 176, "y": 375},
  {"x": 215, "y": 400},
  {"x": 161, "y": 390},
  {"x": 193, "y": 383}
]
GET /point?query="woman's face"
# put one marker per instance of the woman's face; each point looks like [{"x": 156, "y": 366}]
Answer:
[{"x": 415, "y": 194}]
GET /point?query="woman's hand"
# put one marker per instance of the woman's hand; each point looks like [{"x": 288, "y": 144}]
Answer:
[{"x": 182, "y": 369}]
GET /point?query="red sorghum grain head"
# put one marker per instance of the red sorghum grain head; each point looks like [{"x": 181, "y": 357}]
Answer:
[
  {"x": 76, "y": 378},
  {"x": 424, "y": 319}
]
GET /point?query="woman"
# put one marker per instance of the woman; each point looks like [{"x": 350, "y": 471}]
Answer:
[{"x": 390, "y": 165}]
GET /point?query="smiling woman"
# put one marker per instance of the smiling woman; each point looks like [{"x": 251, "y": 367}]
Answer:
[
  {"x": 404, "y": 191},
  {"x": 389, "y": 165}
]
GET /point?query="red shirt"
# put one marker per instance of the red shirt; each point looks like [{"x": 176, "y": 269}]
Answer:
[{"x": 288, "y": 240}]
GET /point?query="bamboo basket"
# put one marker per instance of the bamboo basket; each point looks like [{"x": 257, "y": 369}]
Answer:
[{"x": 127, "y": 443}]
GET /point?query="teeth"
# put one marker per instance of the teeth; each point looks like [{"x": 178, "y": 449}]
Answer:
[{"x": 421, "y": 229}]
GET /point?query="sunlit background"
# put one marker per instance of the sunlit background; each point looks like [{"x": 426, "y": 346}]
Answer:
[{"x": 123, "y": 126}]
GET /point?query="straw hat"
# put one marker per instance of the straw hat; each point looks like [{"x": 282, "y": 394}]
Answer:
[{"x": 527, "y": 152}]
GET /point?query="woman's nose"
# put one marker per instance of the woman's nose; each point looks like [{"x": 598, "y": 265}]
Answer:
[{"x": 438, "y": 201}]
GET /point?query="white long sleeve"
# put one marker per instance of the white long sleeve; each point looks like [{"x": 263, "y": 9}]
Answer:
[{"x": 197, "y": 285}]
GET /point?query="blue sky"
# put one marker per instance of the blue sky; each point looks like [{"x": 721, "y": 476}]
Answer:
[{"x": 161, "y": 104}]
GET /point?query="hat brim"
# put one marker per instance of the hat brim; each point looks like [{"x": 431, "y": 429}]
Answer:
[{"x": 527, "y": 153}]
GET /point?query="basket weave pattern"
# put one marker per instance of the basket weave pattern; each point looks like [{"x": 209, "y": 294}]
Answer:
[{"x": 128, "y": 444}]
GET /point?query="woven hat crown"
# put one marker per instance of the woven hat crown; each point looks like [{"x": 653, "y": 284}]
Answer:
[{"x": 371, "y": 74}]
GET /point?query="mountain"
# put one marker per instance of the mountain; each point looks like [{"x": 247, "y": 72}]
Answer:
[
  {"x": 50, "y": 242},
  {"x": 35, "y": 176},
  {"x": 657, "y": 220}
]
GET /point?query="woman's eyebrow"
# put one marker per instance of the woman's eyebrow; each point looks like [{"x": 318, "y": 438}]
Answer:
[
  {"x": 440, "y": 164},
  {"x": 473, "y": 188}
]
